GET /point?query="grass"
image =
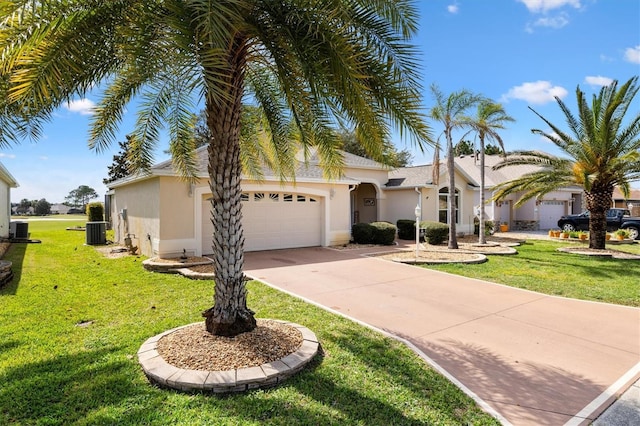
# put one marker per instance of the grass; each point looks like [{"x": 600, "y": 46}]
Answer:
[
  {"x": 539, "y": 267},
  {"x": 55, "y": 372}
]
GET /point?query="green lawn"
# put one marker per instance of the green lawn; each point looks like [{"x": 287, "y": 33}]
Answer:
[
  {"x": 54, "y": 372},
  {"x": 539, "y": 267}
]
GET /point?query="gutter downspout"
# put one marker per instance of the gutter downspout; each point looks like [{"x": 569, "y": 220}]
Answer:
[{"x": 351, "y": 201}]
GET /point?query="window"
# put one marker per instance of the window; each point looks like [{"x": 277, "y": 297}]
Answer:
[
  {"x": 287, "y": 198},
  {"x": 312, "y": 200},
  {"x": 301, "y": 198},
  {"x": 274, "y": 197},
  {"x": 443, "y": 212},
  {"x": 258, "y": 196}
]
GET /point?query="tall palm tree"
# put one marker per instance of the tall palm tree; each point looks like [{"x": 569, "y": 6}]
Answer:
[
  {"x": 490, "y": 117},
  {"x": 304, "y": 65},
  {"x": 602, "y": 149},
  {"x": 451, "y": 112}
]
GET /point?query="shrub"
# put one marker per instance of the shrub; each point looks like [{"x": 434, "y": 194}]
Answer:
[
  {"x": 362, "y": 233},
  {"x": 384, "y": 233},
  {"x": 95, "y": 211},
  {"x": 406, "y": 229},
  {"x": 374, "y": 233},
  {"x": 488, "y": 226},
  {"x": 435, "y": 232}
]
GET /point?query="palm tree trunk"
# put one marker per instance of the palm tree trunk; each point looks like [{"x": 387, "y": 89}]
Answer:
[
  {"x": 482, "y": 239},
  {"x": 598, "y": 202},
  {"x": 229, "y": 316},
  {"x": 451, "y": 206}
]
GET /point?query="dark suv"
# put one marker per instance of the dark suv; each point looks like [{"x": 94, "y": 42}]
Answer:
[{"x": 616, "y": 219}]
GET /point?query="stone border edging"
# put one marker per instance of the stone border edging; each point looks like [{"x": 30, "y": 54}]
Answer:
[
  {"x": 162, "y": 373},
  {"x": 153, "y": 265},
  {"x": 477, "y": 258}
]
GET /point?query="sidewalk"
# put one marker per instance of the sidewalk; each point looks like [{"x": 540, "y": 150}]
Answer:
[{"x": 527, "y": 357}]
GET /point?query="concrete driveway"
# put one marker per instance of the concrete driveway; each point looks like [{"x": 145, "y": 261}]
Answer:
[{"x": 528, "y": 358}]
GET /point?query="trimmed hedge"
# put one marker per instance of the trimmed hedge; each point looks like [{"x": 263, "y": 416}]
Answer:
[
  {"x": 435, "y": 232},
  {"x": 406, "y": 229},
  {"x": 362, "y": 233},
  {"x": 384, "y": 233},
  {"x": 95, "y": 211},
  {"x": 374, "y": 233}
]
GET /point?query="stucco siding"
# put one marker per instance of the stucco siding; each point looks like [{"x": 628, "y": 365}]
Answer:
[
  {"x": 136, "y": 210},
  {"x": 401, "y": 204},
  {"x": 177, "y": 209},
  {"x": 5, "y": 209},
  {"x": 339, "y": 221}
]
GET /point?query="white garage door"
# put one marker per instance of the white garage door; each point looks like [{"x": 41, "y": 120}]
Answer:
[
  {"x": 274, "y": 220},
  {"x": 550, "y": 212}
]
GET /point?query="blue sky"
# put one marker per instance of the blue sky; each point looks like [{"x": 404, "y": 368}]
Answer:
[{"x": 518, "y": 52}]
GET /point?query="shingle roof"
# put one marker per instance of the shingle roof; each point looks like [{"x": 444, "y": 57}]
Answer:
[
  {"x": 309, "y": 170},
  {"x": 410, "y": 177},
  {"x": 634, "y": 195},
  {"x": 467, "y": 165}
]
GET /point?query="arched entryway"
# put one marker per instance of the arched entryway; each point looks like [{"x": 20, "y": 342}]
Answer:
[{"x": 364, "y": 204}]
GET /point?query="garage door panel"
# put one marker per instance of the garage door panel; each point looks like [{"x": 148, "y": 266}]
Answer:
[
  {"x": 279, "y": 220},
  {"x": 550, "y": 212}
]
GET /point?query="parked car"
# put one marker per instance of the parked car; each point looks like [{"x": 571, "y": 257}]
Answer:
[
  {"x": 616, "y": 219},
  {"x": 75, "y": 211}
]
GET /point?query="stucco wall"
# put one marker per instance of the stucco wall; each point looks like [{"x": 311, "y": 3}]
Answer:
[
  {"x": 142, "y": 204},
  {"x": 177, "y": 209},
  {"x": 5, "y": 209}
]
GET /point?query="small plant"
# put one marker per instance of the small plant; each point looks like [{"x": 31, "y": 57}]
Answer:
[
  {"x": 621, "y": 234},
  {"x": 574, "y": 234}
]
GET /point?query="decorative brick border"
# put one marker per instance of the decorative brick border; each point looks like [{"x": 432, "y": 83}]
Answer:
[{"x": 160, "y": 372}]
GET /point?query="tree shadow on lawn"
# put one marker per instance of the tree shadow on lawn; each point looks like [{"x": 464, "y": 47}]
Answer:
[
  {"x": 96, "y": 387},
  {"x": 15, "y": 255},
  {"x": 64, "y": 389},
  {"x": 600, "y": 267},
  {"x": 402, "y": 375}
]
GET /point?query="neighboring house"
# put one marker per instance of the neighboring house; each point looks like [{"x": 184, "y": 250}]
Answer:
[
  {"x": 59, "y": 208},
  {"x": 168, "y": 216},
  {"x": 632, "y": 202},
  {"x": 405, "y": 183},
  {"x": 6, "y": 183}
]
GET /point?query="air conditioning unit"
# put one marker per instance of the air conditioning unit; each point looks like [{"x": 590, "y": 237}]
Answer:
[
  {"x": 19, "y": 230},
  {"x": 96, "y": 233}
]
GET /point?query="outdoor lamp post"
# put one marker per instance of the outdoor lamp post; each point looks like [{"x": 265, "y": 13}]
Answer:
[{"x": 417, "y": 212}]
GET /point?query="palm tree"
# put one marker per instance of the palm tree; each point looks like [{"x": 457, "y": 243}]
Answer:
[
  {"x": 490, "y": 117},
  {"x": 304, "y": 65},
  {"x": 450, "y": 111},
  {"x": 603, "y": 153}
]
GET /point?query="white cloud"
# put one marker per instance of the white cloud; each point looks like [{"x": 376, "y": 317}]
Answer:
[
  {"x": 632, "y": 54},
  {"x": 81, "y": 106},
  {"x": 3, "y": 155},
  {"x": 605, "y": 58},
  {"x": 453, "y": 8},
  {"x": 537, "y": 92},
  {"x": 598, "y": 80},
  {"x": 558, "y": 21},
  {"x": 538, "y": 6},
  {"x": 43, "y": 157}
]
